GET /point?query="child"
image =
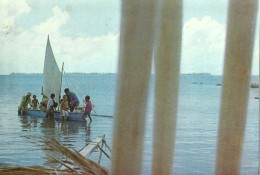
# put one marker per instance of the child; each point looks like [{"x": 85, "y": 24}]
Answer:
[
  {"x": 50, "y": 106},
  {"x": 64, "y": 108},
  {"x": 35, "y": 102},
  {"x": 88, "y": 109}
]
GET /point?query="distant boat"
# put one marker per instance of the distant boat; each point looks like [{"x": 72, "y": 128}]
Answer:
[
  {"x": 254, "y": 85},
  {"x": 218, "y": 84},
  {"x": 52, "y": 82}
]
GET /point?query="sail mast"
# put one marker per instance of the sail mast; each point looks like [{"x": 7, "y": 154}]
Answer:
[{"x": 62, "y": 70}]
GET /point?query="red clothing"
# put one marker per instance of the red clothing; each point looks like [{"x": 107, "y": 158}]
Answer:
[{"x": 88, "y": 106}]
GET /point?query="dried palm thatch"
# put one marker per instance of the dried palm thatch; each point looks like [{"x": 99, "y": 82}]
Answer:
[
  {"x": 75, "y": 163},
  {"x": 31, "y": 170}
]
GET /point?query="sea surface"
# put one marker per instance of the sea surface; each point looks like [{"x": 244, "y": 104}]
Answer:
[{"x": 198, "y": 112}]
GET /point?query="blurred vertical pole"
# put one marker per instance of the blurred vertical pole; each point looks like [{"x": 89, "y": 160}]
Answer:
[
  {"x": 237, "y": 70},
  {"x": 167, "y": 68},
  {"x": 135, "y": 56}
]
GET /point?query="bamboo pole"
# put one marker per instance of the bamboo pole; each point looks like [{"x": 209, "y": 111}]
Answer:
[
  {"x": 238, "y": 59},
  {"x": 100, "y": 154},
  {"x": 90, "y": 148},
  {"x": 167, "y": 68},
  {"x": 135, "y": 55},
  {"x": 101, "y": 150},
  {"x": 259, "y": 114},
  {"x": 104, "y": 141}
]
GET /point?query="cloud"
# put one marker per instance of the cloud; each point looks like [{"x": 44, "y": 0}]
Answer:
[
  {"x": 10, "y": 11},
  {"x": 87, "y": 54},
  {"x": 53, "y": 24},
  {"x": 255, "y": 63},
  {"x": 203, "y": 46},
  {"x": 25, "y": 51}
]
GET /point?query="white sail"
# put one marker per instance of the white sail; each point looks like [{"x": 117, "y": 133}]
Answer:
[{"x": 51, "y": 74}]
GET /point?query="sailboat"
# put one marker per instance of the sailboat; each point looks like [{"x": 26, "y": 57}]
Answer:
[{"x": 52, "y": 82}]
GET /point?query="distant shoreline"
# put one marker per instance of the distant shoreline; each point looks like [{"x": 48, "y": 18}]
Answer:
[
  {"x": 81, "y": 73},
  {"x": 95, "y": 73},
  {"x": 71, "y": 73}
]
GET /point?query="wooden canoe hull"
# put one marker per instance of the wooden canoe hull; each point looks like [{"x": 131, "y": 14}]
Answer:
[{"x": 73, "y": 116}]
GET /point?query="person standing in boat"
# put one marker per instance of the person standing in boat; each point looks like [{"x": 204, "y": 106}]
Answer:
[
  {"x": 88, "y": 109},
  {"x": 73, "y": 100},
  {"x": 24, "y": 103},
  {"x": 50, "y": 106},
  {"x": 64, "y": 108}
]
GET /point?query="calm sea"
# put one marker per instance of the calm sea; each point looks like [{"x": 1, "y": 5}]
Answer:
[{"x": 195, "y": 150}]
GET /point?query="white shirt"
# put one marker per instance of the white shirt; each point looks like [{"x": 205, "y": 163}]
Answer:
[{"x": 50, "y": 103}]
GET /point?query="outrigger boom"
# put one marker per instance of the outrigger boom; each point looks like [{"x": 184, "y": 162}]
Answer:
[{"x": 74, "y": 116}]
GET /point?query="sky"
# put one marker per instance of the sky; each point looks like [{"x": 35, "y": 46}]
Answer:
[{"x": 84, "y": 34}]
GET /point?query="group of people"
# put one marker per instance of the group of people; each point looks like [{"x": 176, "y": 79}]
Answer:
[
  {"x": 26, "y": 100},
  {"x": 70, "y": 102}
]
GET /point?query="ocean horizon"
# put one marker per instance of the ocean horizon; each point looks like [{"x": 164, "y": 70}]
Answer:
[{"x": 197, "y": 122}]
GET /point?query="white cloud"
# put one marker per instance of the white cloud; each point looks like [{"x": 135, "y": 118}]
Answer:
[
  {"x": 255, "y": 63},
  {"x": 24, "y": 51},
  {"x": 203, "y": 46},
  {"x": 9, "y": 12},
  {"x": 87, "y": 54},
  {"x": 53, "y": 24}
]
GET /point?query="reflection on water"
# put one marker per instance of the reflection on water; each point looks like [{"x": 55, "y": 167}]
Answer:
[
  {"x": 18, "y": 150},
  {"x": 197, "y": 125},
  {"x": 88, "y": 133},
  {"x": 66, "y": 132},
  {"x": 27, "y": 124}
]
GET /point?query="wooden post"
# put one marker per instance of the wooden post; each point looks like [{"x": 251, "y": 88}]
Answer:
[
  {"x": 90, "y": 148},
  {"x": 259, "y": 109},
  {"x": 136, "y": 45},
  {"x": 167, "y": 68},
  {"x": 104, "y": 141},
  {"x": 86, "y": 151},
  {"x": 237, "y": 70},
  {"x": 100, "y": 154}
]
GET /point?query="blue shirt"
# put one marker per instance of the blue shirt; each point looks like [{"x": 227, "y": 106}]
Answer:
[{"x": 74, "y": 98}]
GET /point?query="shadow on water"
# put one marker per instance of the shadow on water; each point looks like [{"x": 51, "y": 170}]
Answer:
[
  {"x": 68, "y": 133},
  {"x": 88, "y": 133},
  {"x": 27, "y": 123}
]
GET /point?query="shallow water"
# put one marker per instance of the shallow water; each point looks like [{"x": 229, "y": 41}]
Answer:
[{"x": 195, "y": 147}]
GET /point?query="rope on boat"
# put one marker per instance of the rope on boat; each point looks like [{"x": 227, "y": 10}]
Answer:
[{"x": 74, "y": 87}]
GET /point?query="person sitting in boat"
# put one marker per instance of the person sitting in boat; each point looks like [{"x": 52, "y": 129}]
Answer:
[
  {"x": 64, "y": 108},
  {"x": 73, "y": 100},
  {"x": 88, "y": 109},
  {"x": 44, "y": 102},
  {"x": 35, "y": 102},
  {"x": 51, "y": 106},
  {"x": 26, "y": 99}
]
